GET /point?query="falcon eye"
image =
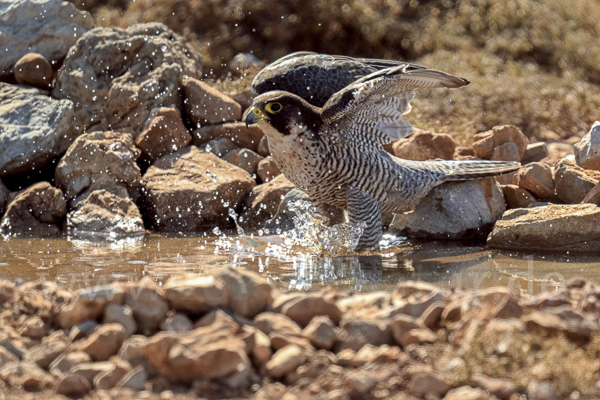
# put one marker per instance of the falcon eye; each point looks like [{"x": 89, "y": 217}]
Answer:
[{"x": 273, "y": 107}]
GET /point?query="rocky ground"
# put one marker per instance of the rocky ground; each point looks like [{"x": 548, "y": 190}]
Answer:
[{"x": 232, "y": 335}]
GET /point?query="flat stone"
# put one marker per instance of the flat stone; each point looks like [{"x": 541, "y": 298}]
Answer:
[
  {"x": 192, "y": 190},
  {"x": 587, "y": 151},
  {"x": 248, "y": 293},
  {"x": 284, "y": 361},
  {"x": 263, "y": 202},
  {"x": 34, "y": 70},
  {"x": 321, "y": 332},
  {"x": 72, "y": 385},
  {"x": 103, "y": 213},
  {"x": 247, "y": 137},
  {"x": 104, "y": 342},
  {"x": 164, "y": 134},
  {"x": 26, "y": 375},
  {"x": 91, "y": 369},
  {"x": 485, "y": 142},
  {"x": 38, "y": 210},
  {"x": 503, "y": 389},
  {"x": 564, "y": 320},
  {"x": 517, "y": 197},
  {"x": 206, "y": 105},
  {"x": 428, "y": 382},
  {"x": 303, "y": 309},
  {"x": 454, "y": 210},
  {"x": 48, "y": 27},
  {"x": 194, "y": 294},
  {"x": 116, "y": 77},
  {"x": 425, "y": 145},
  {"x": 43, "y": 354},
  {"x": 553, "y": 227},
  {"x": 99, "y": 160},
  {"x": 573, "y": 183},
  {"x": 267, "y": 169},
  {"x": 246, "y": 159},
  {"x": 122, "y": 315}
]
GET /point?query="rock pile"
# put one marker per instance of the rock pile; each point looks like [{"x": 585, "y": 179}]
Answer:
[{"x": 232, "y": 334}]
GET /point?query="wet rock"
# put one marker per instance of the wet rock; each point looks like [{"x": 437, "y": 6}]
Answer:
[
  {"x": 424, "y": 145},
  {"x": 572, "y": 182},
  {"x": 541, "y": 390},
  {"x": 267, "y": 169},
  {"x": 285, "y": 360},
  {"x": 537, "y": 178},
  {"x": 104, "y": 342},
  {"x": 122, "y": 315},
  {"x": 26, "y": 375},
  {"x": 117, "y": 76},
  {"x": 553, "y": 227},
  {"x": 191, "y": 190},
  {"x": 428, "y": 382},
  {"x": 110, "y": 378},
  {"x": 35, "y": 128},
  {"x": 48, "y": 27},
  {"x": 506, "y": 152},
  {"x": 107, "y": 214},
  {"x": 466, "y": 393},
  {"x": 99, "y": 160},
  {"x": 263, "y": 202},
  {"x": 321, "y": 332},
  {"x": 43, "y": 354},
  {"x": 355, "y": 333},
  {"x": 164, "y": 134},
  {"x": 535, "y": 152},
  {"x": 34, "y": 70},
  {"x": 418, "y": 337},
  {"x": 587, "y": 151},
  {"x": 516, "y": 197},
  {"x": 72, "y": 385},
  {"x": 247, "y": 137},
  {"x": 134, "y": 380},
  {"x": 454, "y": 210},
  {"x": 564, "y": 320},
  {"x": 194, "y": 294},
  {"x": 247, "y": 292},
  {"x": 88, "y": 304},
  {"x": 38, "y": 210},
  {"x": 63, "y": 363},
  {"x": 503, "y": 389},
  {"x": 206, "y": 105},
  {"x": 178, "y": 323},
  {"x": 303, "y": 309},
  {"x": 219, "y": 147},
  {"x": 145, "y": 299},
  {"x": 432, "y": 314},
  {"x": 34, "y": 328},
  {"x": 486, "y": 142},
  {"x": 245, "y": 159}
]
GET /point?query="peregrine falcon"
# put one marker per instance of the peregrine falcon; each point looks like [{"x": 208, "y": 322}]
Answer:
[{"x": 327, "y": 117}]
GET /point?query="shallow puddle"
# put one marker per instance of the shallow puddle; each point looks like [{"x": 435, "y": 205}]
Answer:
[{"x": 78, "y": 263}]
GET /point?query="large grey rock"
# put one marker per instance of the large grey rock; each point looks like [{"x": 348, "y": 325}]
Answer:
[
  {"x": 550, "y": 228},
  {"x": 454, "y": 210},
  {"x": 34, "y": 128},
  {"x": 47, "y": 27},
  {"x": 191, "y": 190},
  {"x": 99, "y": 160},
  {"x": 117, "y": 76},
  {"x": 587, "y": 151},
  {"x": 104, "y": 213}
]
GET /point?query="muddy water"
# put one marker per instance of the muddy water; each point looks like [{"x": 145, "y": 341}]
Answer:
[{"x": 78, "y": 263}]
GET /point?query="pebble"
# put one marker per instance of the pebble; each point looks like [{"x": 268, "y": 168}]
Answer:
[
  {"x": 33, "y": 69},
  {"x": 285, "y": 360},
  {"x": 72, "y": 385},
  {"x": 321, "y": 332},
  {"x": 104, "y": 342}
]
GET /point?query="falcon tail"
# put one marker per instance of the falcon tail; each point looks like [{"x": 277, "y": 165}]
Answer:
[{"x": 464, "y": 170}]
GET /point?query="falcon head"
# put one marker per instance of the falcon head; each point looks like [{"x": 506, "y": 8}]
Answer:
[{"x": 284, "y": 114}]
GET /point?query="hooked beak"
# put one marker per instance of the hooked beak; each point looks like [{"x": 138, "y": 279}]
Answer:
[{"x": 254, "y": 115}]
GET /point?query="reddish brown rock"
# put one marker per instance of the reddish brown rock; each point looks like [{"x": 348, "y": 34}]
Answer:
[
  {"x": 104, "y": 342},
  {"x": 267, "y": 169},
  {"x": 164, "y": 134},
  {"x": 573, "y": 183},
  {"x": 206, "y": 105},
  {"x": 516, "y": 197},
  {"x": 33, "y": 69},
  {"x": 245, "y": 159},
  {"x": 321, "y": 332},
  {"x": 248, "y": 293},
  {"x": 355, "y": 333},
  {"x": 432, "y": 315},
  {"x": 535, "y": 152},
  {"x": 263, "y": 147},
  {"x": 44, "y": 353},
  {"x": 263, "y": 202},
  {"x": 486, "y": 142},
  {"x": 506, "y": 152},
  {"x": 238, "y": 133},
  {"x": 194, "y": 294},
  {"x": 72, "y": 385},
  {"x": 191, "y": 190},
  {"x": 303, "y": 309},
  {"x": 537, "y": 178},
  {"x": 38, "y": 210},
  {"x": 285, "y": 360},
  {"x": 424, "y": 145}
]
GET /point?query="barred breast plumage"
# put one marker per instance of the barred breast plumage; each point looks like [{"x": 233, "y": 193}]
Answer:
[{"x": 334, "y": 153}]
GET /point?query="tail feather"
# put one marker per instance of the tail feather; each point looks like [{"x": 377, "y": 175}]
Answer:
[{"x": 464, "y": 170}]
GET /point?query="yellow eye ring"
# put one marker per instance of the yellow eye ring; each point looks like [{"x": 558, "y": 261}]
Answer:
[{"x": 273, "y": 108}]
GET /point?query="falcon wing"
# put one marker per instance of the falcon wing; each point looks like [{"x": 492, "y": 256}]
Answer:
[
  {"x": 316, "y": 77},
  {"x": 373, "y": 106}
]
